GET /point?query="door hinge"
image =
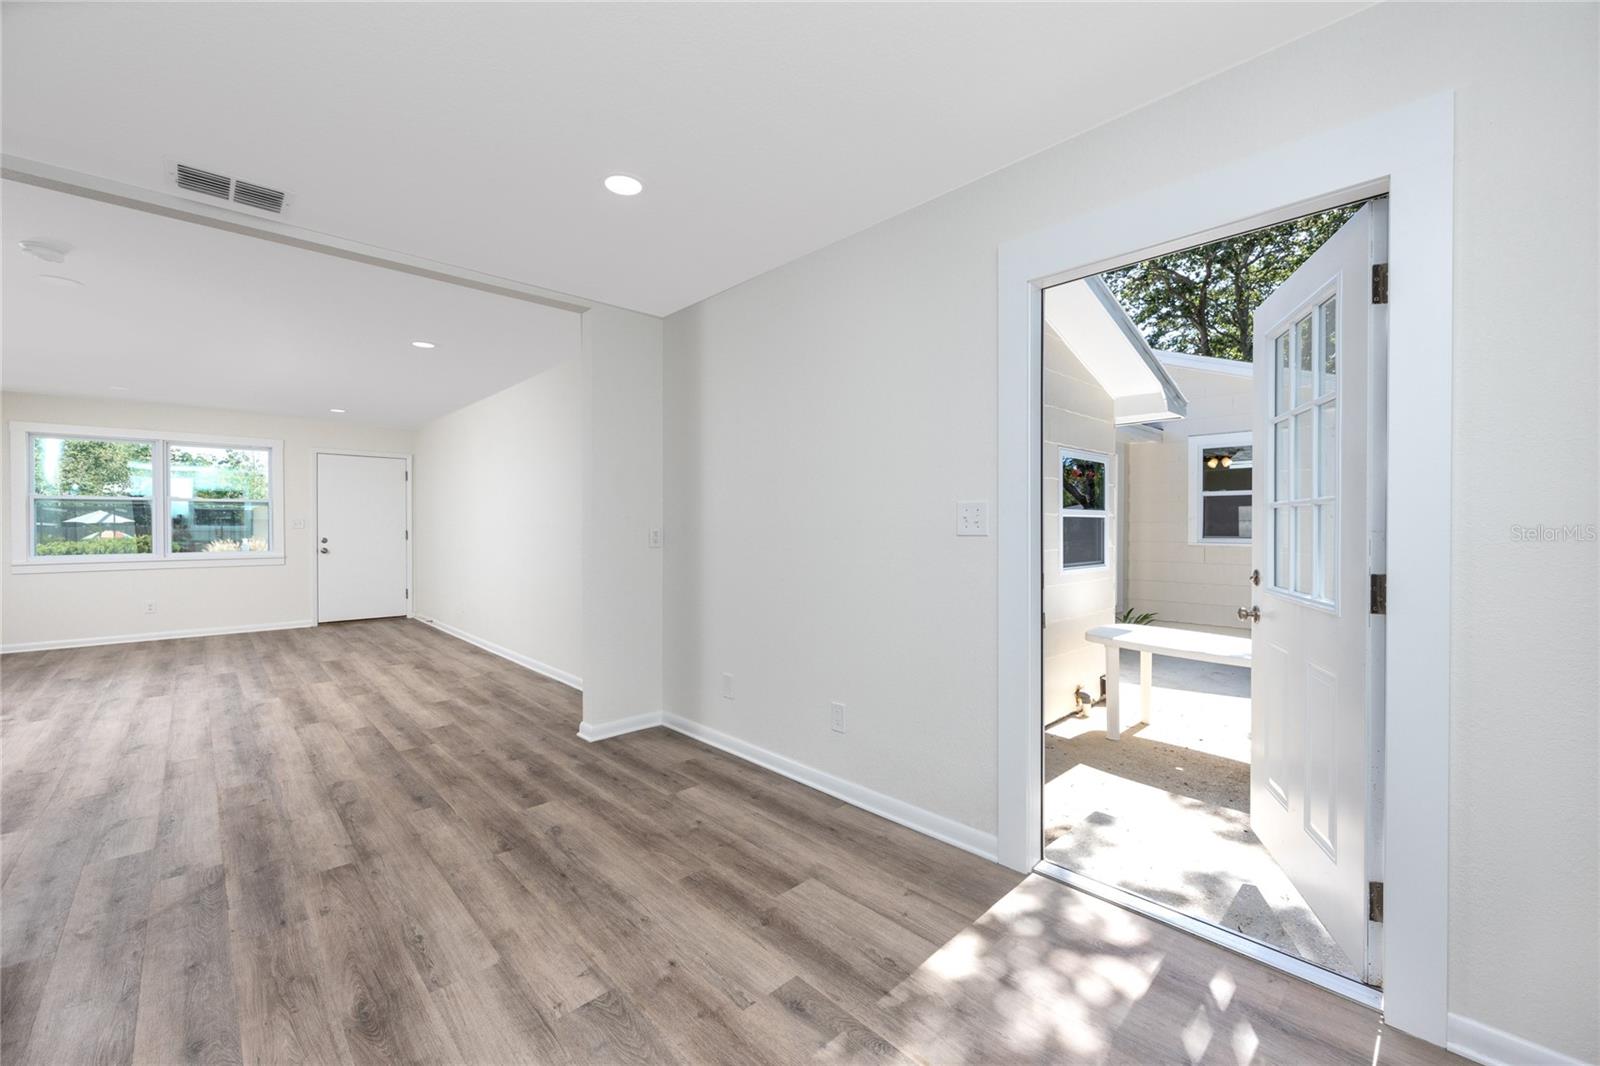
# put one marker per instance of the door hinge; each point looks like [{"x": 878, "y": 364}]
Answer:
[
  {"x": 1380, "y": 594},
  {"x": 408, "y": 594},
  {"x": 1380, "y": 283},
  {"x": 1375, "y": 901},
  {"x": 408, "y": 534},
  {"x": 408, "y": 475}
]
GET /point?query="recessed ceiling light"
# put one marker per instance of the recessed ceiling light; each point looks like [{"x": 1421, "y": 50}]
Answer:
[
  {"x": 118, "y": 388},
  {"x": 422, "y": 344},
  {"x": 336, "y": 410},
  {"x": 64, "y": 282},
  {"x": 623, "y": 185}
]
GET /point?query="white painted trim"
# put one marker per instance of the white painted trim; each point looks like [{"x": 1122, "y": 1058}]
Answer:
[
  {"x": 1409, "y": 153},
  {"x": 1496, "y": 1047},
  {"x": 1208, "y": 363},
  {"x": 316, "y": 556},
  {"x": 922, "y": 821},
  {"x": 605, "y": 730},
  {"x": 143, "y": 638},
  {"x": 554, "y": 673}
]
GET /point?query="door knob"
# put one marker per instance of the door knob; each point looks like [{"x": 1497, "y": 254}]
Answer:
[
  {"x": 325, "y": 552},
  {"x": 1251, "y": 615}
]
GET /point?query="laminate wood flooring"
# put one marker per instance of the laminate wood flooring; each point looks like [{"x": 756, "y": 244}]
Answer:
[{"x": 372, "y": 843}]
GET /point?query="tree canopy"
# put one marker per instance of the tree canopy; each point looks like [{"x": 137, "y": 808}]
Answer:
[{"x": 1200, "y": 300}]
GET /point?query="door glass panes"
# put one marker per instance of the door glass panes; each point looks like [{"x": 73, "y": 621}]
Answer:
[
  {"x": 1304, "y": 552},
  {"x": 1305, "y": 455},
  {"x": 1283, "y": 462},
  {"x": 1305, "y": 376},
  {"x": 1327, "y": 447},
  {"x": 1285, "y": 378},
  {"x": 1330, "y": 349}
]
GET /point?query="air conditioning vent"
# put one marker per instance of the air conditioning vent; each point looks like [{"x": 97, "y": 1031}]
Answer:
[
  {"x": 204, "y": 181},
  {"x": 258, "y": 196}
]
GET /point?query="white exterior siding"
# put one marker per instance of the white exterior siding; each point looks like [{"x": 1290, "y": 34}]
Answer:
[
  {"x": 1183, "y": 582},
  {"x": 1077, "y": 415}
]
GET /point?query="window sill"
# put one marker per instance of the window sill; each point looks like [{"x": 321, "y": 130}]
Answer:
[{"x": 200, "y": 561}]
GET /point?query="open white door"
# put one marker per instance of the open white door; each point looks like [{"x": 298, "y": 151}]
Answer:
[
  {"x": 1318, "y": 501},
  {"x": 361, "y": 537}
]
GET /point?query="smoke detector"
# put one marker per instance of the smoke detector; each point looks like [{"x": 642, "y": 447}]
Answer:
[{"x": 208, "y": 186}]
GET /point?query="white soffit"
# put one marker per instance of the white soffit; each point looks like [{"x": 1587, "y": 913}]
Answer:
[{"x": 1089, "y": 321}]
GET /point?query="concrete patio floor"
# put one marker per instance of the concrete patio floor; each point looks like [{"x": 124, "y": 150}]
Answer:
[{"x": 1164, "y": 812}]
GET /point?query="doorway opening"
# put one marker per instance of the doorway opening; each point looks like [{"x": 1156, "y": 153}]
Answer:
[{"x": 1212, "y": 425}]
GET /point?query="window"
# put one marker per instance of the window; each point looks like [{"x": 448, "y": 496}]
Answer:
[
  {"x": 1083, "y": 509},
  {"x": 1221, "y": 469},
  {"x": 99, "y": 498},
  {"x": 1305, "y": 455},
  {"x": 219, "y": 499}
]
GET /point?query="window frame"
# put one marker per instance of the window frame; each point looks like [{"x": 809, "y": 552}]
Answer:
[
  {"x": 1198, "y": 443},
  {"x": 21, "y": 496},
  {"x": 1063, "y": 512}
]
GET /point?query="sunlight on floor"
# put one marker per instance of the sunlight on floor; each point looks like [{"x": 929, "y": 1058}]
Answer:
[{"x": 1164, "y": 812}]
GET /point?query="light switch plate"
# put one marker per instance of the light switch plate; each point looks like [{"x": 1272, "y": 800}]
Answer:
[{"x": 972, "y": 518}]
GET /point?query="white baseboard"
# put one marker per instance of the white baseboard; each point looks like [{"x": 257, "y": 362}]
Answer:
[
  {"x": 1496, "y": 1047},
  {"x": 142, "y": 638},
  {"x": 552, "y": 672},
  {"x": 591, "y": 732},
  {"x": 925, "y": 822}
]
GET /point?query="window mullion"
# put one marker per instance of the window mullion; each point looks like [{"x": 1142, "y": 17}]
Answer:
[{"x": 160, "y": 533}]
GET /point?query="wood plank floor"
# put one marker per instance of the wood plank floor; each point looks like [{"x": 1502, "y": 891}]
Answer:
[{"x": 372, "y": 843}]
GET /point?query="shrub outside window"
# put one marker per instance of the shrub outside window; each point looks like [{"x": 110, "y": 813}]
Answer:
[
  {"x": 101, "y": 498},
  {"x": 1083, "y": 509}
]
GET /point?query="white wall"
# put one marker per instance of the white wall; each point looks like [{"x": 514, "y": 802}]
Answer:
[
  {"x": 498, "y": 515},
  {"x": 50, "y": 608},
  {"x": 622, "y": 572},
  {"x": 1191, "y": 584},
  {"x": 823, "y": 419},
  {"x": 1077, "y": 414}
]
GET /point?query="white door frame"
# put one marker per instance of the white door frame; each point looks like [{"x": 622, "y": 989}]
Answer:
[
  {"x": 316, "y": 503},
  {"x": 1408, "y": 153}
]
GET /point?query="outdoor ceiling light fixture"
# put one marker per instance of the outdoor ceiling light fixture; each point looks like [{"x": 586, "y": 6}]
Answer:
[{"x": 623, "y": 185}]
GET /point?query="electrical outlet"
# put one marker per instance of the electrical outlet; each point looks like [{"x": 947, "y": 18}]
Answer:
[
  {"x": 727, "y": 686},
  {"x": 972, "y": 518},
  {"x": 655, "y": 538},
  {"x": 149, "y": 606},
  {"x": 836, "y": 717}
]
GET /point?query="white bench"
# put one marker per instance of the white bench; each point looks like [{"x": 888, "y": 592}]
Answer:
[{"x": 1150, "y": 641}]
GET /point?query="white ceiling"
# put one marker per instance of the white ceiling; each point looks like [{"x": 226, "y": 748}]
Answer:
[
  {"x": 185, "y": 314},
  {"x": 478, "y": 135}
]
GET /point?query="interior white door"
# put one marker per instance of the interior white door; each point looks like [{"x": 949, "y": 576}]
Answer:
[
  {"x": 361, "y": 537},
  {"x": 1318, "y": 536}
]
